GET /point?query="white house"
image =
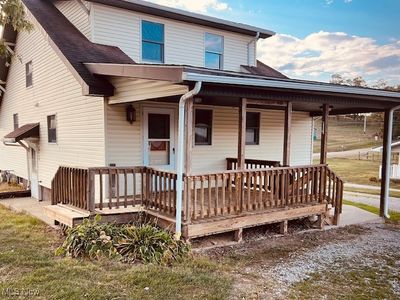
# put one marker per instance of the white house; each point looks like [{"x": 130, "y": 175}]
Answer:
[
  {"x": 395, "y": 168},
  {"x": 113, "y": 104}
]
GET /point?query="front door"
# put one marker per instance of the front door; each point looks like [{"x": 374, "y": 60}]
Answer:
[
  {"x": 159, "y": 142},
  {"x": 34, "y": 174}
]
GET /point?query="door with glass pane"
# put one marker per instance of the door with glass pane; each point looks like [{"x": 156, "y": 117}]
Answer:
[{"x": 159, "y": 146}]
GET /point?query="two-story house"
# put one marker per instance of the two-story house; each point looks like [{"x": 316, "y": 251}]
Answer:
[{"x": 112, "y": 104}]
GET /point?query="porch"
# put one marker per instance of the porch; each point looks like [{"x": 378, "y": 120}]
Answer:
[{"x": 212, "y": 202}]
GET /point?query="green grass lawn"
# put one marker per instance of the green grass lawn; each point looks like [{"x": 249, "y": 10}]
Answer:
[
  {"x": 27, "y": 262},
  {"x": 345, "y": 135},
  {"x": 357, "y": 171}
]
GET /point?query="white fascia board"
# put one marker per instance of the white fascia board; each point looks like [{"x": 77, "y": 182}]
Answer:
[{"x": 187, "y": 76}]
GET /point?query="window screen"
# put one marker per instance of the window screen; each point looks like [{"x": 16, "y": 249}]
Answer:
[
  {"x": 214, "y": 46},
  {"x": 152, "y": 41}
]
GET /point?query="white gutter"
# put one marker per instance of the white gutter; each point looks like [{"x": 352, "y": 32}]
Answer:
[
  {"x": 254, "y": 40},
  {"x": 388, "y": 162},
  {"x": 180, "y": 157},
  {"x": 285, "y": 84}
]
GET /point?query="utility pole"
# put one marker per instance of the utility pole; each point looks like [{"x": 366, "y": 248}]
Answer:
[{"x": 365, "y": 124}]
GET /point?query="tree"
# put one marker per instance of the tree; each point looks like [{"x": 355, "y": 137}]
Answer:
[{"x": 12, "y": 13}]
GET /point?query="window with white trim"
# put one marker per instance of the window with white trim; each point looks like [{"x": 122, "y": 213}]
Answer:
[
  {"x": 152, "y": 42},
  {"x": 15, "y": 121},
  {"x": 214, "y": 50},
  {"x": 52, "y": 129},
  {"x": 29, "y": 74}
]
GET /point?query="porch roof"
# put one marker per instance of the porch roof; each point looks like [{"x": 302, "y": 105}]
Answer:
[
  {"x": 305, "y": 95},
  {"x": 26, "y": 131}
]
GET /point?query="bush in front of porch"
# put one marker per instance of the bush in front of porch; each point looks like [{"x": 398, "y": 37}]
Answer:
[{"x": 138, "y": 242}]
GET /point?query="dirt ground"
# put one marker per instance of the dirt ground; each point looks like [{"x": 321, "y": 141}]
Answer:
[
  {"x": 6, "y": 187},
  {"x": 355, "y": 262}
]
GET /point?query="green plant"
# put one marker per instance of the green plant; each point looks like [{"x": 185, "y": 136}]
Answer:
[
  {"x": 150, "y": 244},
  {"x": 90, "y": 239},
  {"x": 143, "y": 242}
]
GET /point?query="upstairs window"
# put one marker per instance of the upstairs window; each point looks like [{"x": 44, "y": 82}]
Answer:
[
  {"x": 29, "y": 74},
  {"x": 52, "y": 129},
  {"x": 15, "y": 121},
  {"x": 152, "y": 42},
  {"x": 252, "y": 128},
  {"x": 203, "y": 126},
  {"x": 214, "y": 46}
]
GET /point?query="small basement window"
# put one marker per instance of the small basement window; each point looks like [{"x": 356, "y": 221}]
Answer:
[
  {"x": 203, "y": 127},
  {"x": 52, "y": 129},
  {"x": 152, "y": 42},
  {"x": 15, "y": 121},
  {"x": 214, "y": 46},
  {"x": 29, "y": 74},
  {"x": 252, "y": 128}
]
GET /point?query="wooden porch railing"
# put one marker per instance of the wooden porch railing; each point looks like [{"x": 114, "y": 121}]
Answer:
[
  {"x": 71, "y": 186},
  {"x": 237, "y": 192},
  {"x": 231, "y": 163},
  {"x": 232, "y": 192}
]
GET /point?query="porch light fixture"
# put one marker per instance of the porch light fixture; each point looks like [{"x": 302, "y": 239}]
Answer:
[
  {"x": 130, "y": 114},
  {"x": 197, "y": 100}
]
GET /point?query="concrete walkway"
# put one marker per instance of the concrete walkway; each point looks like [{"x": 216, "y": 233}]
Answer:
[
  {"x": 352, "y": 215},
  {"x": 373, "y": 200},
  {"x": 30, "y": 206}
]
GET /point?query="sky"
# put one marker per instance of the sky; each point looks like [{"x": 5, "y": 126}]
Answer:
[{"x": 317, "y": 38}]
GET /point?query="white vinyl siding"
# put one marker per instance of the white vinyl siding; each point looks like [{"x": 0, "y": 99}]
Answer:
[
  {"x": 225, "y": 139},
  {"x": 184, "y": 43},
  {"x": 131, "y": 90},
  {"x": 124, "y": 141},
  {"x": 80, "y": 119},
  {"x": 76, "y": 15}
]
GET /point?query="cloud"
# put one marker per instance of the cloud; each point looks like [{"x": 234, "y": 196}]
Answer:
[
  {"x": 201, "y": 6},
  {"x": 321, "y": 54}
]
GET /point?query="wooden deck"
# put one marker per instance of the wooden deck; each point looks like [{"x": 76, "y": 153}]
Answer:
[{"x": 212, "y": 203}]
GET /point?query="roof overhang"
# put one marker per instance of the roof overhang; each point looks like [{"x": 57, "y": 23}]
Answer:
[
  {"x": 186, "y": 16},
  {"x": 26, "y": 131},
  {"x": 245, "y": 85}
]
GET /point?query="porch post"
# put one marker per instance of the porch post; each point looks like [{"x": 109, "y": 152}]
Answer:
[
  {"x": 242, "y": 134},
  {"x": 189, "y": 136},
  {"x": 324, "y": 134},
  {"x": 386, "y": 161},
  {"x": 287, "y": 134}
]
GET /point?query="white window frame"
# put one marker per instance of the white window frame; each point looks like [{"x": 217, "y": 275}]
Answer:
[
  {"x": 212, "y": 126},
  {"x": 141, "y": 42},
  {"x": 222, "y": 53}
]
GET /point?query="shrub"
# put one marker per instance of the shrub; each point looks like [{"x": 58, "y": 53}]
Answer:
[
  {"x": 150, "y": 244},
  {"x": 90, "y": 239},
  {"x": 141, "y": 242}
]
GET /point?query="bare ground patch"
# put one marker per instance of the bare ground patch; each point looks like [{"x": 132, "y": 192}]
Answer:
[{"x": 354, "y": 262}]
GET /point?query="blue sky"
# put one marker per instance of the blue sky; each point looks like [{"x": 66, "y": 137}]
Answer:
[
  {"x": 377, "y": 19},
  {"x": 317, "y": 38}
]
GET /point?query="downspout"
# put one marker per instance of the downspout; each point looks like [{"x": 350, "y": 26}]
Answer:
[
  {"x": 180, "y": 157},
  {"x": 388, "y": 163},
  {"x": 255, "y": 39}
]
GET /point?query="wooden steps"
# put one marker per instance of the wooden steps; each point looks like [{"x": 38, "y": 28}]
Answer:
[{"x": 72, "y": 216}]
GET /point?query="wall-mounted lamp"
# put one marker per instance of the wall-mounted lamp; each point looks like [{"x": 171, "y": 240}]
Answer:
[
  {"x": 197, "y": 100},
  {"x": 130, "y": 114}
]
